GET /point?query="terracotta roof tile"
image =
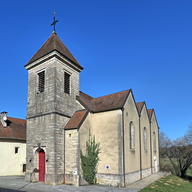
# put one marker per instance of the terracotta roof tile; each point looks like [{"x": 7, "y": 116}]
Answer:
[
  {"x": 77, "y": 119},
  {"x": 112, "y": 101},
  {"x": 53, "y": 43},
  {"x": 150, "y": 112},
  {"x": 139, "y": 106},
  {"x": 104, "y": 103},
  {"x": 16, "y": 129}
]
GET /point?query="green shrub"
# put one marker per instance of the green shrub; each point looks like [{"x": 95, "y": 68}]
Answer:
[{"x": 90, "y": 160}]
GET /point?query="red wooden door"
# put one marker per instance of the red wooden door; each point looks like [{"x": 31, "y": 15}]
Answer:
[{"x": 41, "y": 166}]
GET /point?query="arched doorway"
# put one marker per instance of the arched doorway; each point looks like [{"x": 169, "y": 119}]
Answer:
[{"x": 41, "y": 166}]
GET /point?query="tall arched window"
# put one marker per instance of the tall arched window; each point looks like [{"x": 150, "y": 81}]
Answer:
[
  {"x": 132, "y": 136},
  {"x": 154, "y": 141},
  {"x": 145, "y": 138}
]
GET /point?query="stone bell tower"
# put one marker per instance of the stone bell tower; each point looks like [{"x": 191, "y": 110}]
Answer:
[{"x": 53, "y": 84}]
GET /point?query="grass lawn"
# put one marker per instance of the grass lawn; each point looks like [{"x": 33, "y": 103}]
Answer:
[{"x": 170, "y": 183}]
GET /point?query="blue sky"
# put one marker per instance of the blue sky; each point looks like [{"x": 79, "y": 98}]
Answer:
[{"x": 143, "y": 45}]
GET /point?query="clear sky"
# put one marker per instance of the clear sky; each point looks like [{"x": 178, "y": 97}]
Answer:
[{"x": 145, "y": 45}]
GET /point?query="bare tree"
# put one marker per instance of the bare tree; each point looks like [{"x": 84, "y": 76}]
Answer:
[
  {"x": 179, "y": 153},
  {"x": 164, "y": 143}
]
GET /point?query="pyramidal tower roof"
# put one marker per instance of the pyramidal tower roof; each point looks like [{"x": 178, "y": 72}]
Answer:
[{"x": 52, "y": 44}]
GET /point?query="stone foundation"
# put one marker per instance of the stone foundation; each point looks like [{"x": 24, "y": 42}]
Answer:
[
  {"x": 72, "y": 179},
  {"x": 110, "y": 179},
  {"x": 146, "y": 172},
  {"x": 132, "y": 177},
  {"x": 52, "y": 179}
]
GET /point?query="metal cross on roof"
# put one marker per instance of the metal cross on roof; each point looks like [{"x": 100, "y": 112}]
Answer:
[{"x": 54, "y": 22}]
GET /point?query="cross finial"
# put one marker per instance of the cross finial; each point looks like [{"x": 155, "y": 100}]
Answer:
[{"x": 54, "y": 22}]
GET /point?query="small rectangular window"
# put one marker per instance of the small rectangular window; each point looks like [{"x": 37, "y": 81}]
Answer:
[
  {"x": 66, "y": 83},
  {"x": 16, "y": 150},
  {"x": 41, "y": 81},
  {"x": 24, "y": 167}
]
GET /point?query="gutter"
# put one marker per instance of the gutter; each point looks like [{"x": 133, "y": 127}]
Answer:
[
  {"x": 158, "y": 148},
  {"x": 12, "y": 138},
  {"x": 151, "y": 149},
  {"x": 140, "y": 148},
  {"x": 123, "y": 146}
]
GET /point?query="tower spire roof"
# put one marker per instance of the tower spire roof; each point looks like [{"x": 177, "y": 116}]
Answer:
[{"x": 52, "y": 44}]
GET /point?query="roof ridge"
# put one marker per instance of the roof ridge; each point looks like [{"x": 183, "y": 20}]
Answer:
[
  {"x": 111, "y": 94},
  {"x": 86, "y": 94},
  {"x": 46, "y": 42},
  {"x": 140, "y": 102},
  {"x": 68, "y": 50},
  {"x": 17, "y": 118}
]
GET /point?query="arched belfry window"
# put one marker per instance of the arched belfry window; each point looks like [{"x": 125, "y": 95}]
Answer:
[
  {"x": 132, "y": 136},
  {"x": 154, "y": 141},
  {"x": 145, "y": 138}
]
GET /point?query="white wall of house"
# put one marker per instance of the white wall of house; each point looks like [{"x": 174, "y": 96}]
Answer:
[{"x": 11, "y": 161}]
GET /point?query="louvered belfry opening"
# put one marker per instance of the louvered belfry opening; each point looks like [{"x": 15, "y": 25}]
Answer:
[
  {"x": 41, "y": 86},
  {"x": 67, "y": 83}
]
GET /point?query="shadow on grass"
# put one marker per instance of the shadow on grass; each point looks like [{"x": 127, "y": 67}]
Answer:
[{"x": 188, "y": 178}]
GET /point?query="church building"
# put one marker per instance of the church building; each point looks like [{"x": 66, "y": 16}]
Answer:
[{"x": 59, "y": 117}]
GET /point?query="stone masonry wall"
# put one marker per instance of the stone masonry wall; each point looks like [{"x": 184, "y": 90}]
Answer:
[
  {"x": 53, "y": 98},
  {"x": 49, "y": 133},
  {"x": 47, "y": 114},
  {"x": 71, "y": 156}
]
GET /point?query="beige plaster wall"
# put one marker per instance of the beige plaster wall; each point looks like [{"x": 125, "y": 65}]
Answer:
[
  {"x": 145, "y": 154},
  {"x": 11, "y": 163},
  {"x": 107, "y": 130},
  {"x": 106, "y": 127},
  {"x": 154, "y": 128},
  {"x": 79, "y": 106},
  {"x": 132, "y": 157}
]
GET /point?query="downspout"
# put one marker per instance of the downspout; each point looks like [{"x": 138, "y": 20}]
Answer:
[
  {"x": 158, "y": 149},
  {"x": 151, "y": 149},
  {"x": 64, "y": 158},
  {"x": 123, "y": 146},
  {"x": 140, "y": 147}
]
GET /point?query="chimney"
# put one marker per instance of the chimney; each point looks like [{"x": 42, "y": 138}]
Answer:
[{"x": 4, "y": 118}]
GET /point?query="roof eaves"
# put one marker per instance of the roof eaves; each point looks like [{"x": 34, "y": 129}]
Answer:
[
  {"x": 83, "y": 119},
  {"x": 20, "y": 139},
  {"x": 111, "y": 109}
]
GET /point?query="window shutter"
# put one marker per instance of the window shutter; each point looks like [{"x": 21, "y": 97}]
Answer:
[
  {"x": 66, "y": 83},
  {"x": 41, "y": 85}
]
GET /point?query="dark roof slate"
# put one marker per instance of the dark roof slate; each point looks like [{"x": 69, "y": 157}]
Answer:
[
  {"x": 76, "y": 119},
  {"x": 16, "y": 129},
  {"x": 54, "y": 43}
]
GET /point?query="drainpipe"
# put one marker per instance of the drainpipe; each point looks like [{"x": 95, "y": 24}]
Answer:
[
  {"x": 158, "y": 149},
  {"x": 64, "y": 158},
  {"x": 151, "y": 149},
  {"x": 140, "y": 147},
  {"x": 123, "y": 146}
]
